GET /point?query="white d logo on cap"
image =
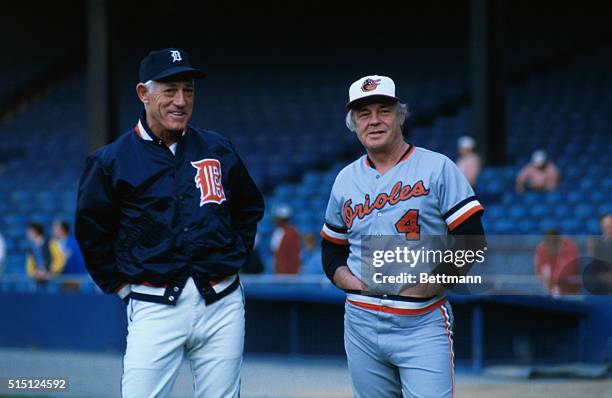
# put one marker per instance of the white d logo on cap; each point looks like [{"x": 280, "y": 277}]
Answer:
[{"x": 176, "y": 55}]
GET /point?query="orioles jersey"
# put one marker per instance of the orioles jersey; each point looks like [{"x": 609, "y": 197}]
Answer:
[{"x": 424, "y": 194}]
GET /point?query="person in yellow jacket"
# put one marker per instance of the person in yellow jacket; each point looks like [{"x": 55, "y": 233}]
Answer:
[{"x": 44, "y": 257}]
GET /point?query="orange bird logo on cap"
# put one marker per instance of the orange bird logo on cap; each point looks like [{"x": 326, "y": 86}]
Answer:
[{"x": 370, "y": 84}]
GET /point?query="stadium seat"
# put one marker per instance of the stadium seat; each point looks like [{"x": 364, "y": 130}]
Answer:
[
  {"x": 572, "y": 227},
  {"x": 539, "y": 211},
  {"x": 593, "y": 227},
  {"x": 585, "y": 211},
  {"x": 517, "y": 212},
  {"x": 547, "y": 225}
]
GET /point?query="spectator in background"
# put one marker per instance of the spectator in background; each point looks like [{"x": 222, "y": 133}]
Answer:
[
  {"x": 70, "y": 248},
  {"x": 539, "y": 175},
  {"x": 311, "y": 255},
  {"x": 597, "y": 275},
  {"x": 601, "y": 248},
  {"x": 468, "y": 161},
  {"x": 74, "y": 264},
  {"x": 557, "y": 263},
  {"x": 285, "y": 242},
  {"x": 44, "y": 257},
  {"x": 2, "y": 253}
]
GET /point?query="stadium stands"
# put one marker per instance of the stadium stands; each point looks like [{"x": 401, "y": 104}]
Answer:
[
  {"x": 291, "y": 134},
  {"x": 564, "y": 113},
  {"x": 41, "y": 184}
]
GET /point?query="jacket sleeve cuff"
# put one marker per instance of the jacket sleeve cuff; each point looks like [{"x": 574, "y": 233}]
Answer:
[{"x": 123, "y": 291}]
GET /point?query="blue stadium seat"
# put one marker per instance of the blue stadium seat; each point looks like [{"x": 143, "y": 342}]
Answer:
[
  {"x": 562, "y": 210},
  {"x": 547, "y": 224},
  {"x": 588, "y": 183},
  {"x": 572, "y": 226},
  {"x": 593, "y": 227},
  {"x": 510, "y": 198},
  {"x": 494, "y": 213},
  {"x": 517, "y": 212},
  {"x": 527, "y": 227},
  {"x": 585, "y": 211},
  {"x": 606, "y": 208},
  {"x": 504, "y": 227},
  {"x": 539, "y": 210},
  {"x": 494, "y": 187},
  {"x": 531, "y": 198},
  {"x": 598, "y": 197},
  {"x": 306, "y": 191},
  {"x": 15, "y": 220},
  {"x": 575, "y": 197},
  {"x": 15, "y": 264},
  {"x": 553, "y": 198}
]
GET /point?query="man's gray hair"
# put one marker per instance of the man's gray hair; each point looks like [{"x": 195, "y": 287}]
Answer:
[
  {"x": 400, "y": 109},
  {"x": 150, "y": 85}
]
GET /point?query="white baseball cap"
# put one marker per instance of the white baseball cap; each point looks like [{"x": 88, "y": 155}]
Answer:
[
  {"x": 539, "y": 157},
  {"x": 466, "y": 142},
  {"x": 282, "y": 211},
  {"x": 370, "y": 89}
]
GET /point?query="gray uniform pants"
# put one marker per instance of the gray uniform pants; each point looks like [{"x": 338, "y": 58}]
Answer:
[{"x": 391, "y": 355}]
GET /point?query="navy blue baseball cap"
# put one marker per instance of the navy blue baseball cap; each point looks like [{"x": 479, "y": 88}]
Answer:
[{"x": 162, "y": 64}]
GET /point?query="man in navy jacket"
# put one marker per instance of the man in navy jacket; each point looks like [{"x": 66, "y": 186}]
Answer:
[{"x": 166, "y": 216}]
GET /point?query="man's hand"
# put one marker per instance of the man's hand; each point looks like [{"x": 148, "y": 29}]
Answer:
[
  {"x": 41, "y": 276},
  {"x": 344, "y": 279}
]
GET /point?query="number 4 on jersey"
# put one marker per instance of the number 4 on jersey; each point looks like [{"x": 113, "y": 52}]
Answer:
[{"x": 409, "y": 224}]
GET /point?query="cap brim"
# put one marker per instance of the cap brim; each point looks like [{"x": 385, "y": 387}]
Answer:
[
  {"x": 179, "y": 70},
  {"x": 372, "y": 99}
]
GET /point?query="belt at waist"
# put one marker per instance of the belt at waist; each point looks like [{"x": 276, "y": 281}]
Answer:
[
  {"x": 398, "y": 305},
  {"x": 211, "y": 291}
]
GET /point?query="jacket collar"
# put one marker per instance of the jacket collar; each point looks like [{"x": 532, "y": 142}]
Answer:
[{"x": 143, "y": 131}]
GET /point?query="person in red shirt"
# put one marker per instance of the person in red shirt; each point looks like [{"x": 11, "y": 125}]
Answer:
[
  {"x": 557, "y": 263},
  {"x": 285, "y": 243}
]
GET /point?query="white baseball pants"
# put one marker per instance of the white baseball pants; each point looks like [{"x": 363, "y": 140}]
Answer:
[{"x": 159, "y": 335}]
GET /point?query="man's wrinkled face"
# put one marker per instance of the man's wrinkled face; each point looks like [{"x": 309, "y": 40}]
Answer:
[
  {"x": 378, "y": 126},
  {"x": 170, "y": 105}
]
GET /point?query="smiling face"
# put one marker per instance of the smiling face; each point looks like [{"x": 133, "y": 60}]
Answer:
[
  {"x": 378, "y": 126},
  {"x": 168, "y": 105}
]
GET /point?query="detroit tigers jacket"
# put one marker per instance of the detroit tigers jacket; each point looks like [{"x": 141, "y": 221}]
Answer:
[{"x": 146, "y": 215}]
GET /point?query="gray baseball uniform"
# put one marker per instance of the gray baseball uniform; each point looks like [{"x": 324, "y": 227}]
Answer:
[{"x": 398, "y": 344}]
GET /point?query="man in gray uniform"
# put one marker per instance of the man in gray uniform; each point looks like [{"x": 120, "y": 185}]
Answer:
[{"x": 397, "y": 345}]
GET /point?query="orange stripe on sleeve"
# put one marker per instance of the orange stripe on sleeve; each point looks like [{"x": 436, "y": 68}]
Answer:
[
  {"x": 334, "y": 240},
  {"x": 464, "y": 217}
]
